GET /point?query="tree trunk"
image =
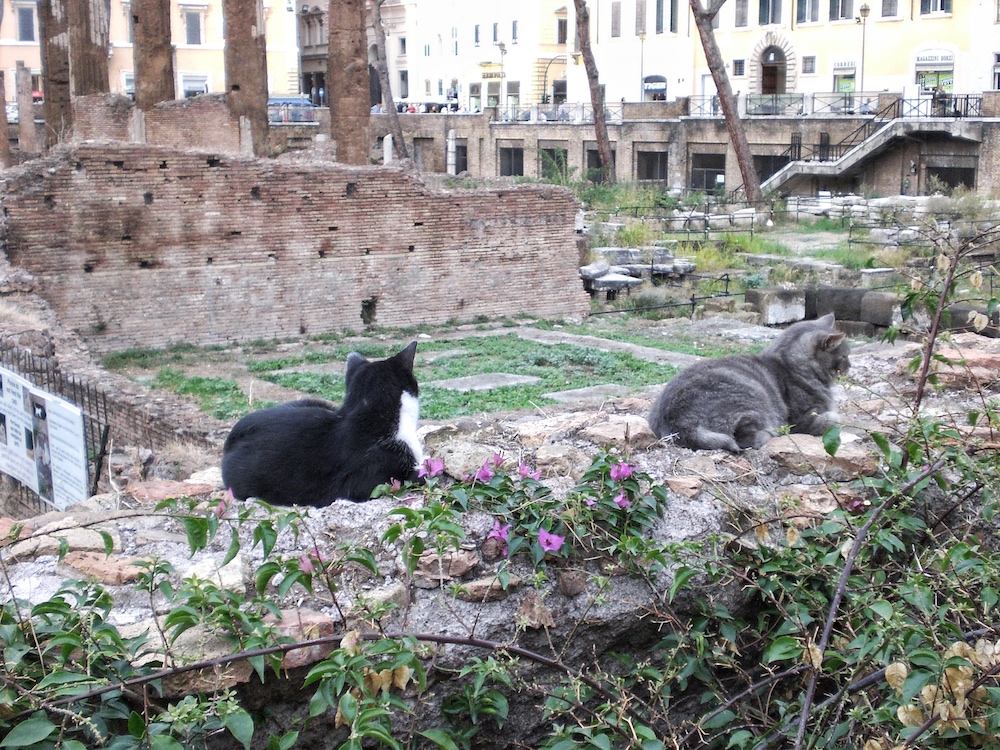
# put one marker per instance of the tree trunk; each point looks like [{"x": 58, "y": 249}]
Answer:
[
  {"x": 53, "y": 31},
  {"x": 382, "y": 66},
  {"x": 347, "y": 81},
  {"x": 89, "y": 38},
  {"x": 6, "y": 157},
  {"x": 27, "y": 136},
  {"x": 246, "y": 70},
  {"x": 703, "y": 20},
  {"x": 596, "y": 96},
  {"x": 153, "y": 53}
]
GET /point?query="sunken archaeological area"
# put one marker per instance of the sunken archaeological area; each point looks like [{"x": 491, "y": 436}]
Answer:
[{"x": 140, "y": 246}]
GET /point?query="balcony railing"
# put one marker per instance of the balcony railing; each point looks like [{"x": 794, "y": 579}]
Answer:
[{"x": 776, "y": 105}]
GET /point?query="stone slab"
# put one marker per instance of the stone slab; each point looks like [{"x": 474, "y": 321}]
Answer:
[
  {"x": 485, "y": 382},
  {"x": 590, "y": 393}
]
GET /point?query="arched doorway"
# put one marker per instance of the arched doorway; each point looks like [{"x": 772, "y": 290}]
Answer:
[{"x": 772, "y": 70}]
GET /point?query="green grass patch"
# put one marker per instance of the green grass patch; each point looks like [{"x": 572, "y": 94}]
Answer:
[
  {"x": 148, "y": 358},
  {"x": 220, "y": 397},
  {"x": 560, "y": 367}
]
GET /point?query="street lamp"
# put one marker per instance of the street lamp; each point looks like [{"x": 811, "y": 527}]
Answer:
[
  {"x": 864, "y": 10},
  {"x": 503, "y": 82},
  {"x": 642, "y": 78},
  {"x": 545, "y": 80}
]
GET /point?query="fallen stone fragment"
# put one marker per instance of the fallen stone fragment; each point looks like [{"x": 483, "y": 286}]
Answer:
[
  {"x": 805, "y": 454},
  {"x": 304, "y": 624},
  {"x": 487, "y": 589},
  {"x": 96, "y": 566}
]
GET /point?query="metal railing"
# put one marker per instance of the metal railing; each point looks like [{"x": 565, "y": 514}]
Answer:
[
  {"x": 42, "y": 372},
  {"x": 776, "y": 105},
  {"x": 853, "y": 103}
]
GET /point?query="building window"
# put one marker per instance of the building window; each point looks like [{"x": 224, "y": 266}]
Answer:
[
  {"x": 890, "y": 8},
  {"x": 739, "y": 68},
  {"x": 128, "y": 83},
  {"x": 475, "y": 34},
  {"x": 807, "y": 11},
  {"x": 475, "y": 97},
  {"x": 996, "y": 71},
  {"x": 427, "y": 50},
  {"x": 427, "y": 87},
  {"x": 402, "y": 45},
  {"x": 708, "y": 171},
  {"x": 594, "y": 171},
  {"x": 192, "y": 27},
  {"x": 513, "y": 94},
  {"x": 673, "y": 16},
  {"x": 404, "y": 84},
  {"x": 640, "y": 17},
  {"x": 770, "y": 12},
  {"x": 742, "y": 13},
  {"x": 192, "y": 85},
  {"x": 553, "y": 164},
  {"x": 659, "y": 16},
  {"x": 26, "y": 23},
  {"x": 513, "y": 32},
  {"x": 841, "y": 9},
  {"x": 562, "y": 30},
  {"x": 461, "y": 156},
  {"x": 651, "y": 165},
  {"x": 496, "y": 33},
  {"x": 809, "y": 64},
  {"x": 511, "y": 162},
  {"x": 935, "y": 6},
  {"x": 616, "y": 18}
]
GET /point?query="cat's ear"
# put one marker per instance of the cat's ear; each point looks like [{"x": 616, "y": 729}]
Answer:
[
  {"x": 354, "y": 362},
  {"x": 405, "y": 357},
  {"x": 831, "y": 340},
  {"x": 827, "y": 320}
]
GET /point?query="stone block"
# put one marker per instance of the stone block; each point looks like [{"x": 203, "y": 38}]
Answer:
[
  {"x": 777, "y": 306},
  {"x": 877, "y": 277},
  {"x": 880, "y": 309},
  {"x": 844, "y": 303}
]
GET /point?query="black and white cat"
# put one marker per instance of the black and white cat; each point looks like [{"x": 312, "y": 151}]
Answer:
[
  {"x": 309, "y": 452},
  {"x": 743, "y": 400}
]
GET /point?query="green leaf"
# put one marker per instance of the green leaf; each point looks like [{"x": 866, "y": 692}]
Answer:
[
  {"x": 721, "y": 719},
  {"x": 348, "y": 707},
  {"x": 284, "y": 742},
  {"x": 440, "y": 738},
  {"x": 136, "y": 725},
  {"x": 164, "y": 742},
  {"x": 831, "y": 440},
  {"x": 882, "y": 608},
  {"x": 681, "y": 576},
  {"x": 29, "y": 732},
  {"x": 783, "y": 648},
  {"x": 739, "y": 738},
  {"x": 234, "y": 549},
  {"x": 601, "y": 741},
  {"x": 197, "y": 532},
  {"x": 240, "y": 725},
  {"x": 109, "y": 542}
]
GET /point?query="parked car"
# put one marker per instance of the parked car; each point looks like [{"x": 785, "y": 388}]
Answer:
[
  {"x": 290, "y": 109},
  {"x": 11, "y": 114}
]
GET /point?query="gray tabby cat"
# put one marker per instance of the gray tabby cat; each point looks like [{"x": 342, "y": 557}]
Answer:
[{"x": 742, "y": 400}]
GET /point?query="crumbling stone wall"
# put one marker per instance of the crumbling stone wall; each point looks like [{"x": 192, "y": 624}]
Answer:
[{"x": 139, "y": 246}]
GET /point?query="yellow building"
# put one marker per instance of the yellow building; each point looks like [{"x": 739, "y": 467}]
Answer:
[
  {"x": 801, "y": 47},
  {"x": 196, "y": 30}
]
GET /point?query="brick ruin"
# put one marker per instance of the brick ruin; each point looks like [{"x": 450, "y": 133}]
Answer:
[{"x": 146, "y": 246}]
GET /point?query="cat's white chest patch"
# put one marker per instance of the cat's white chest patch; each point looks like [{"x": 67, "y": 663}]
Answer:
[{"x": 409, "y": 413}]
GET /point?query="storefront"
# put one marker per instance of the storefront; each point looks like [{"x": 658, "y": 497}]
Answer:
[
  {"x": 935, "y": 71},
  {"x": 843, "y": 77}
]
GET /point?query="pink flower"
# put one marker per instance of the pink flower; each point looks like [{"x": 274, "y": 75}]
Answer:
[
  {"x": 431, "y": 467},
  {"x": 621, "y": 501},
  {"x": 499, "y": 532},
  {"x": 395, "y": 485},
  {"x": 550, "y": 542},
  {"x": 497, "y": 461},
  {"x": 526, "y": 473},
  {"x": 621, "y": 471},
  {"x": 223, "y": 506},
  {"x": 485, "y": 473},
  {"x": 306, "y": 565},
  {"x": 590, "y": 502}
]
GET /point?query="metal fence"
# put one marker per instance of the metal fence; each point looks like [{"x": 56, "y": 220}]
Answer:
[{"x": 42, "y": 372}]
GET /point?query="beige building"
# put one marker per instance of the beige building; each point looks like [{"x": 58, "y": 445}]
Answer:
[{"x": 197, "y": 33}]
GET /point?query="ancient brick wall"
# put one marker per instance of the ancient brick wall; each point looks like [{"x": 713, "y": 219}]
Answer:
[
  {"x": 139, "y": 246},
  {"x": 102, "y": 117},
  {"x": 201, "y": 122}
]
